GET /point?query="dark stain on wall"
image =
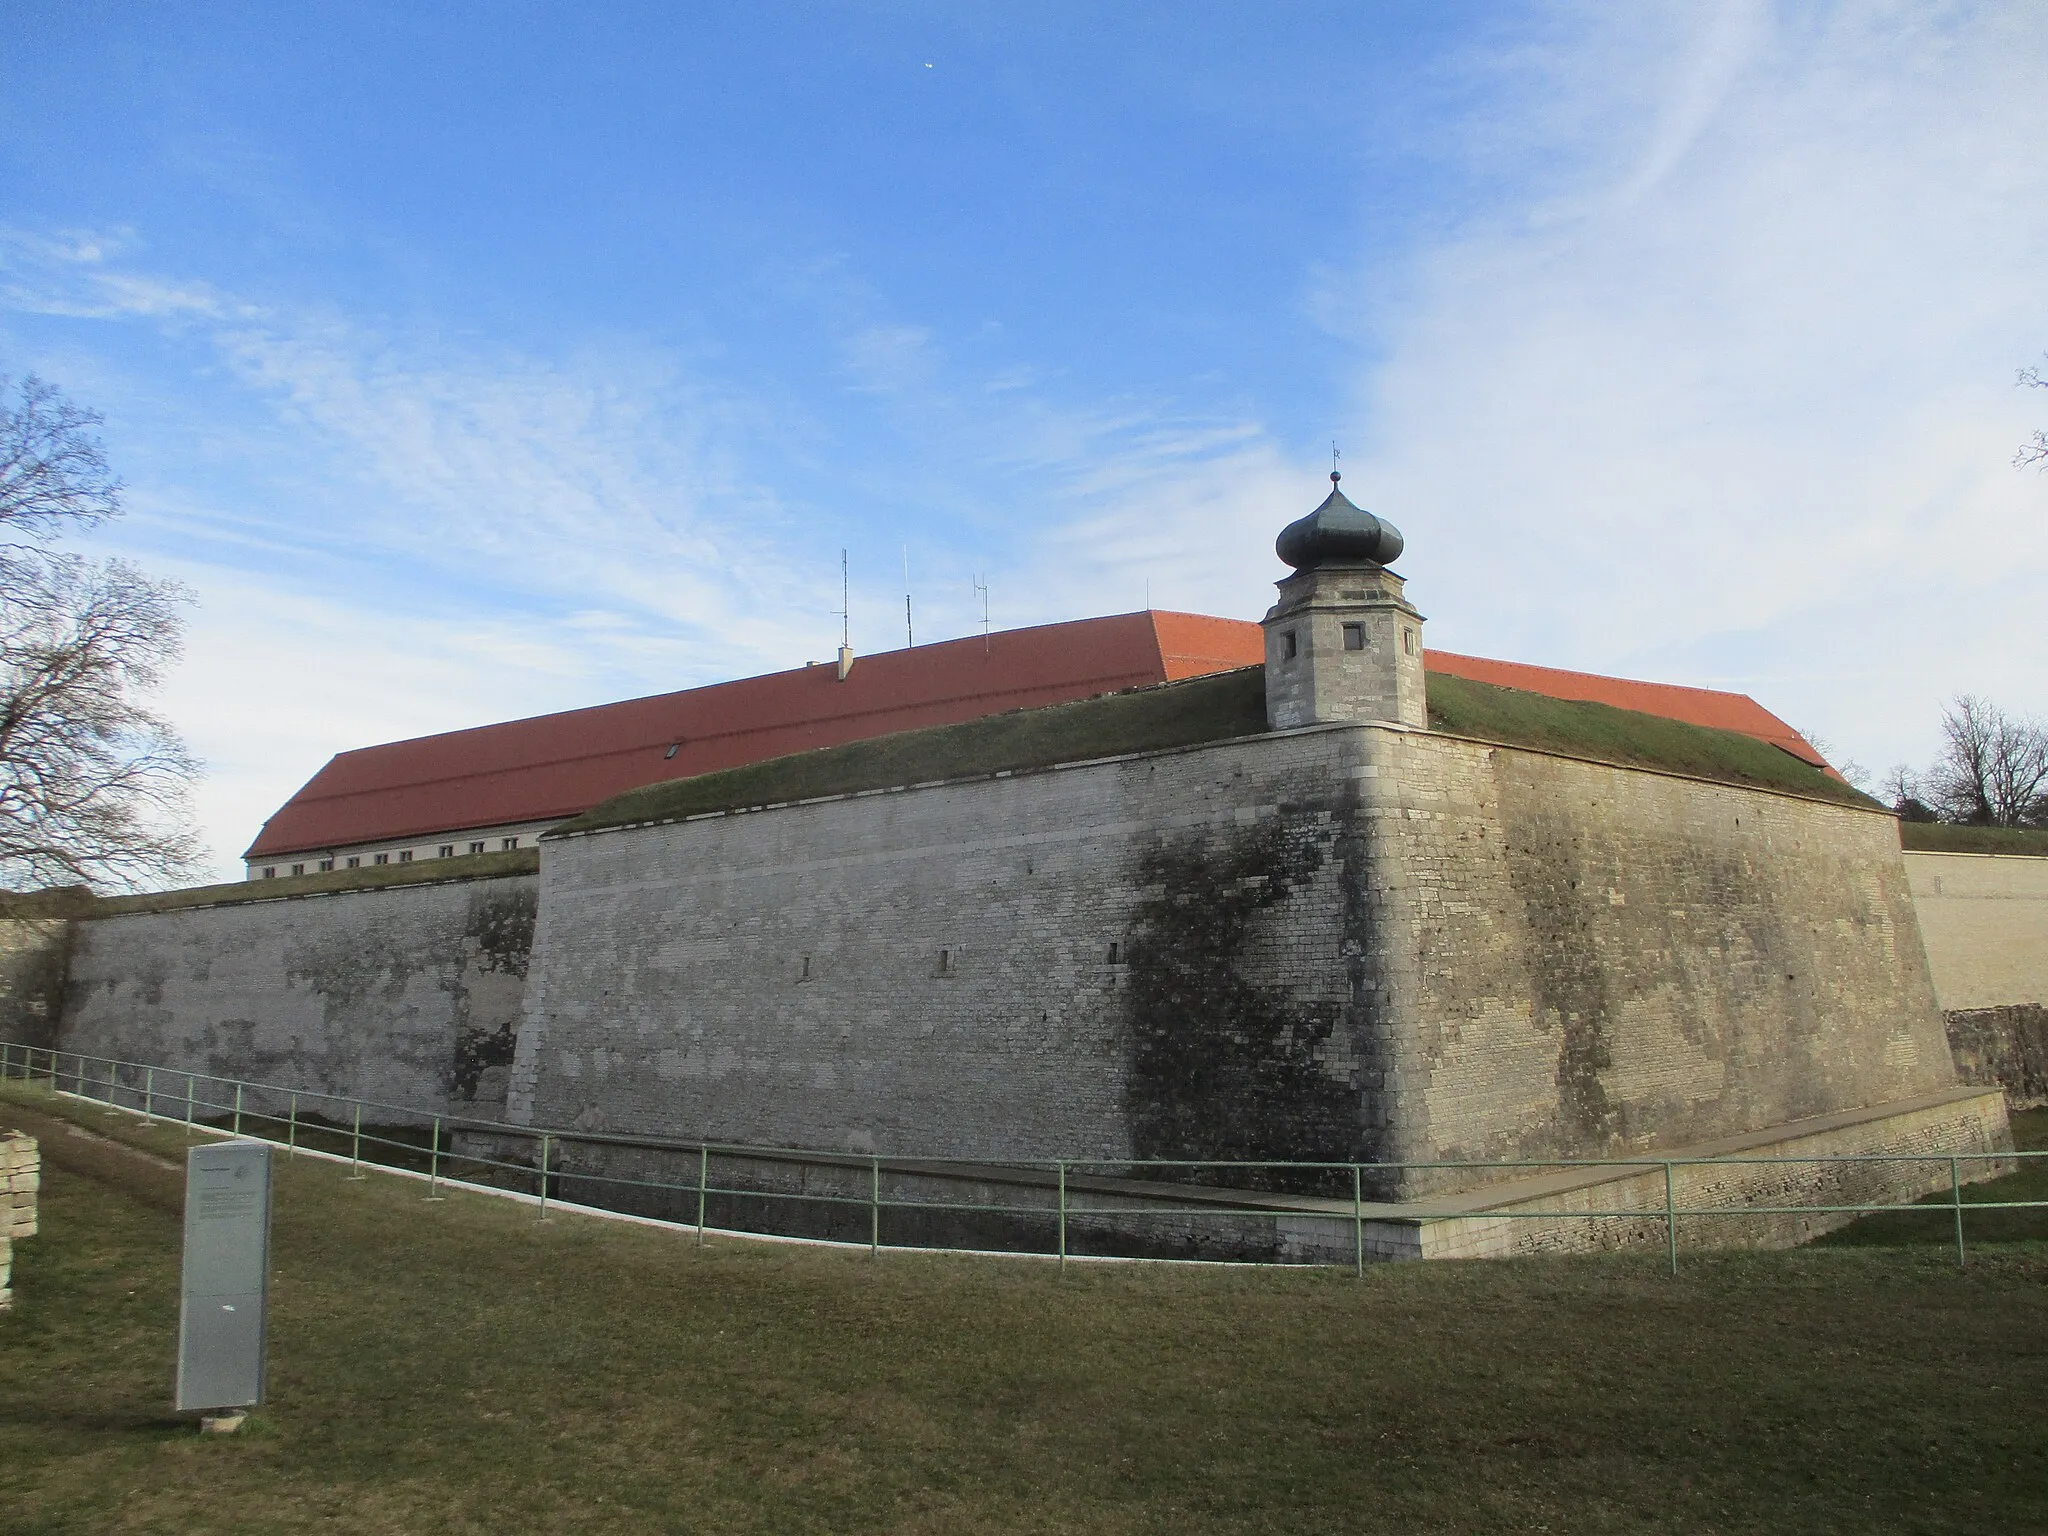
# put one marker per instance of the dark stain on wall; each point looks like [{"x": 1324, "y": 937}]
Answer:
[
  {"x": 35, "y": 962},
  {"x": 1571, "y": 988},
  {"x": 497, "y": 941},
  {"x": 1223, "y": 1065}
]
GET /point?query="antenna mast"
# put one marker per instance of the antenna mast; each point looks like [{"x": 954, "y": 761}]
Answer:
[
  {"x": 909, "y": 638},
  {"x": 845, "y": 620},
  {"x": 981, "y": 591},
  {"x": 845, "y": 606}
]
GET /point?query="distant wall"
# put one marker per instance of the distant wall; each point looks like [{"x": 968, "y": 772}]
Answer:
[
  {"x": 1985, "y": 921},
  {"x": 408, "y": 994},
  {"x": 1346, "y": 942}
]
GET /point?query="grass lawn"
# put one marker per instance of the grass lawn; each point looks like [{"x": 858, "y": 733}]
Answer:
[{"x": 460, "y": 1367}]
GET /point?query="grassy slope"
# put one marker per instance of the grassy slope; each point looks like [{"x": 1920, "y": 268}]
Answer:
[
  {"x": 1176, "y": 715},
  {"x": 1509, "y": 715},
  {"x": 459, "y": 1368},
  {"x": 1938, "y": 837},
  {"x": 1207, "y": 709}
]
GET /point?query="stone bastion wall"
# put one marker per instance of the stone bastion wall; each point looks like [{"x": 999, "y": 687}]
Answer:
[
  {"x": 409, "y": 994},
  {"x": 1347, "y": 943}
]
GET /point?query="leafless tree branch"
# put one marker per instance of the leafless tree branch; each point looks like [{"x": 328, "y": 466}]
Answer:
[{"x": 93, "y": 784}]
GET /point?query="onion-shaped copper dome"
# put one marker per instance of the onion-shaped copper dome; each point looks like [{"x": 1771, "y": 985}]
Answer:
[{"x": 1338, "y": 533}]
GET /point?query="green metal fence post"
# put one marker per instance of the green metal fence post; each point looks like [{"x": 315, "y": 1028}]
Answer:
[
  {"x": 543, "y": 1176},
  {"x": 874, "y": 1206},
  {"x": 190, "y": 1081},
  {"x": 355, "y": 1145},
  {"x": 149, "y": 1094},
  {"x": 1670, "y": 1220},
  {"x": 1955, "y": 1188},
  {"x": 238, "y": 1109},
  {"x": 1063, "y": 1216},
  {"x": 291, "y": 1136},
  {"x": 434, "y": 1163},
  {"x": 703, "y": 1177},
  {"x": 1358, "y": 1221}
]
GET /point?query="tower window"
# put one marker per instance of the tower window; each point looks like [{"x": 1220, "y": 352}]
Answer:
[
  {"x": 1354, "y": 637},
  {"x": 1408, "y": 641},
  {"x": 1289, "y": 646}
]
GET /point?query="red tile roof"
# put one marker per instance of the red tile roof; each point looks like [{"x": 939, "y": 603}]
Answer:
[{"x": 554, "y": 766}]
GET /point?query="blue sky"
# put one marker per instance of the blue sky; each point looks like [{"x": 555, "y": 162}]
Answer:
[{"x": 470, "y": 361}]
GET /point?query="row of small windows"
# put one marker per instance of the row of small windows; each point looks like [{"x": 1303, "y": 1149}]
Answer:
[
  {"x": 355, "y": 860},
  {"x": 1354, "y": 640}
]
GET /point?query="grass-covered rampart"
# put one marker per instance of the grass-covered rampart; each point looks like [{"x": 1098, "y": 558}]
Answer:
[
  {"x": 1940, "y": 837},
  {"x": 458, "y": 1367},
  {"x": 1204, "y": 709}
]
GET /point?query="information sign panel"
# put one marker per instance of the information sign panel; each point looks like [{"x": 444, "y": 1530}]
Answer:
[{"x": 227, "y": 1275}]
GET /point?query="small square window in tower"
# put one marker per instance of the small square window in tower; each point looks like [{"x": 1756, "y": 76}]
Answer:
[
  {"x": 1289, "y": 646},
  {"x": 1354, "y": 637}
]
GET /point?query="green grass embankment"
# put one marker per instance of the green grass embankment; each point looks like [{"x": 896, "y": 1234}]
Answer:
[
  {"x": 1940, "y": 837},
  {"x": 1205, "y": 709},
  {"x": 459, "y": 1367}
]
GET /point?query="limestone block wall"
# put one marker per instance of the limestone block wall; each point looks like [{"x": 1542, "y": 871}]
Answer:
[
  {"x": 406, "y": 994},
  {"x": 20, "y": 1179},
  {"x": 1346, "y": 943},
  {"x": 1583, "y": 959},
  {"x": 1985, "y": 921},
  {"x": 1142, "y": 956}
]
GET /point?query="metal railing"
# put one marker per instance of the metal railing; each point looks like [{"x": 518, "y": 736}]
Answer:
[{"x": 1107, "y": 1202}]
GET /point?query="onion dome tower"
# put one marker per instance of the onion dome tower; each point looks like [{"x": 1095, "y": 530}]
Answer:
[{"x": 1343, "y": 645}]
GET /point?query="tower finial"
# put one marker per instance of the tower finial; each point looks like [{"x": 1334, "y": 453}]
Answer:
[{"x": 1334, "y": 457}]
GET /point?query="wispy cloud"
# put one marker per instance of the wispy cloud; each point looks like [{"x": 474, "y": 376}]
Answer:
[{"x": 1723, "y": 394}]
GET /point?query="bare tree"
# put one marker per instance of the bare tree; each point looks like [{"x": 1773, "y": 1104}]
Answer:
[
  {"x": 53, "y": 471},
  {"x": 1993, "y": 769},
  {"x": 1902, "y": 791},
  {"x": 93, "y": 783},
  {"x": 2035, "y": 449}
]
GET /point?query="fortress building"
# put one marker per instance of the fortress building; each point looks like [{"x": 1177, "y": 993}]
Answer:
[
  {"x": 499, "y": 787},
  {"x": 1145, "y": 887}
]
